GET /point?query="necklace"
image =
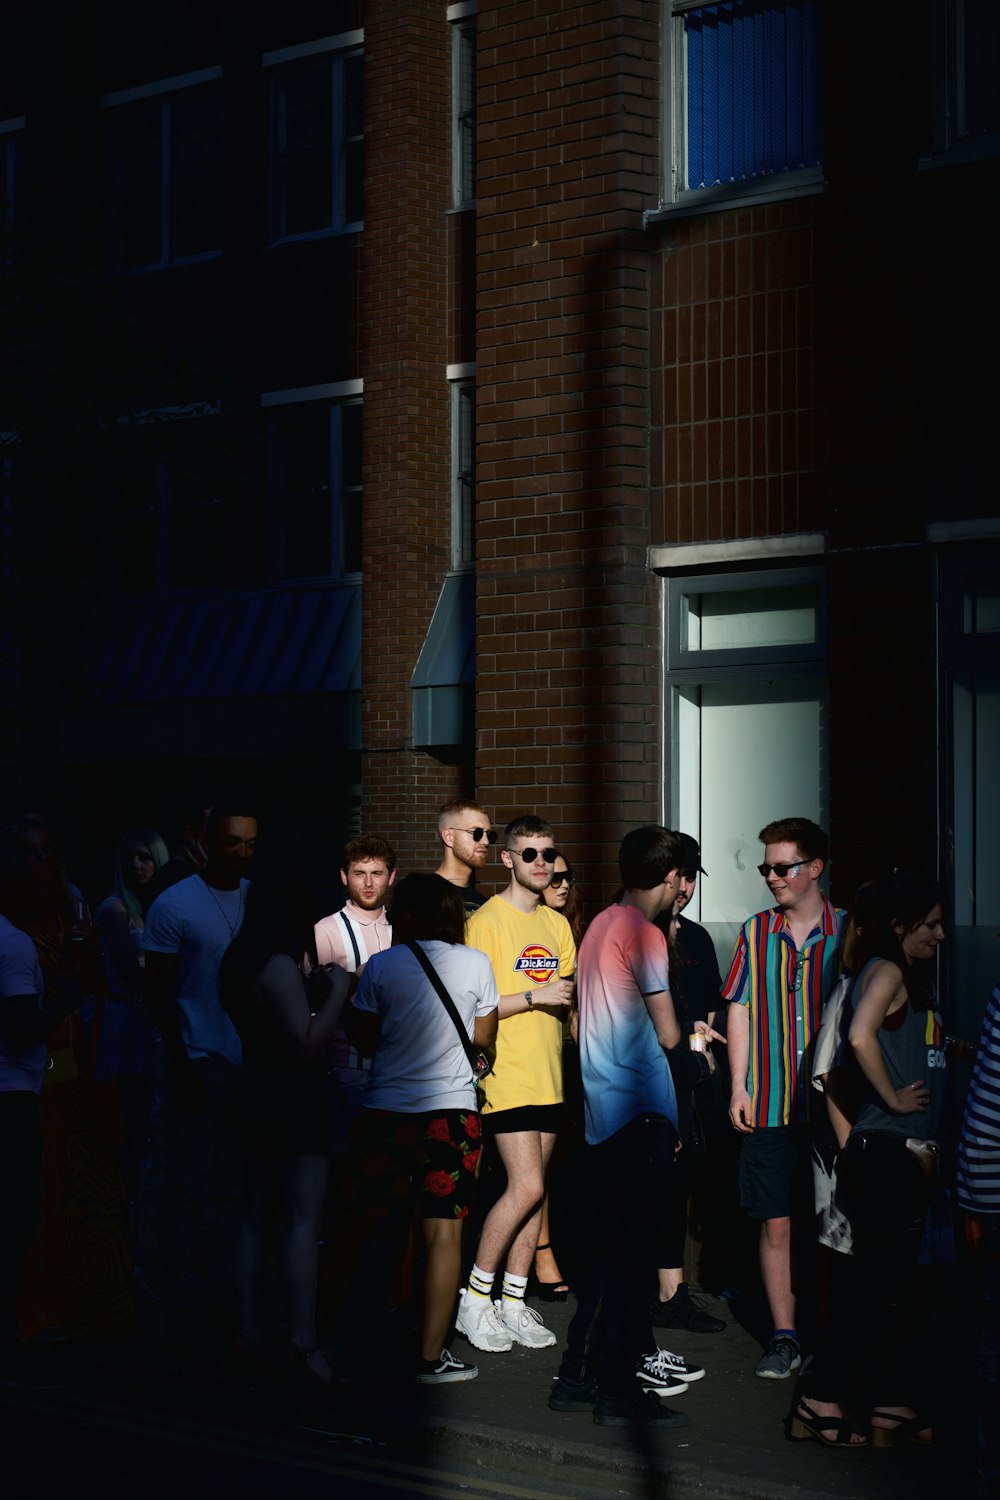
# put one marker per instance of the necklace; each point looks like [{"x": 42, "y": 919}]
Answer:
[{"x": 233, "y": 930}]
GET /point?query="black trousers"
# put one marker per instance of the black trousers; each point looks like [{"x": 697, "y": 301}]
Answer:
[
  {"x": 611, "y": 1331},
  {"x": 874, "y": 1323}
]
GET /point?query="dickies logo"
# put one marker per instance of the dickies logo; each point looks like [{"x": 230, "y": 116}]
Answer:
[{"x": 538, "y": 963}]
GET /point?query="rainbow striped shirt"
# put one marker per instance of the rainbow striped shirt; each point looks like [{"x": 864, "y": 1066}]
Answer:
[{"x": 784, "y": 989}]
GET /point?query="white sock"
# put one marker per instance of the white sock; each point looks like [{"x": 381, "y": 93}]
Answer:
[
  {"x": 480, "y": 1283},
  {"x": 514, "y": 1288}
]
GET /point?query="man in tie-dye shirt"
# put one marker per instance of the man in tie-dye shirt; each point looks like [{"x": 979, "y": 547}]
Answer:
[
  {"x": 626, "y": 1025},
  {"x": 786, "y": 962}
]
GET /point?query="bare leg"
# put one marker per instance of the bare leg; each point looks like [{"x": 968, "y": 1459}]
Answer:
[
  {"x": 669, "y": 1279},
  {"x": 776, "y": 1269},
  {"x": 514, "y": 1219},
  {"x": 442, "y": 1273},
  {"x": 546, "y": 1265}
]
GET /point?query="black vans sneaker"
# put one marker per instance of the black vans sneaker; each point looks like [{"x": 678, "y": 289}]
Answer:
[{"x": 444, "y": 1371}]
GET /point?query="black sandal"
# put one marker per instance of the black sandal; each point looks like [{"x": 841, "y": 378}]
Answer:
[
  {"x": 550, "y": 1291},
  {"x": 812, "y": 1425},
  {"x": 906, "y": 1430}
]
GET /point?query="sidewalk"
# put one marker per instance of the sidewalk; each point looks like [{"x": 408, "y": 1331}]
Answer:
[{"x": 733, "y": 1447}]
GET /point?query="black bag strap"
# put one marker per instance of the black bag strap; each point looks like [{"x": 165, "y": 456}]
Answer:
[{"x": 446, "y": 1000}]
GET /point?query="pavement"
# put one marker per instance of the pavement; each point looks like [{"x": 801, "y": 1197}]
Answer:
[{"x": 733, "y": 1445}]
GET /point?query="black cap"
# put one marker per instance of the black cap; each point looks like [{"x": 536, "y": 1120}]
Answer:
[{"x": 692, "y": 855}]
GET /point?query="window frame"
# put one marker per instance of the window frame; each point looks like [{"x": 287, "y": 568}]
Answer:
[
  {"x": 287, "y": 62},
  {"x": 687, "y": 671},
  {"x": 462, "y": 21},
  {"x": 462, "y": 380},
  {"x": 336, "y": 396},
  {"x": 950, "y": 143},
  {"x": 13, "y": 140},
  {"x": 681, "y": 201},
  {"x": 168, "y": 91}
]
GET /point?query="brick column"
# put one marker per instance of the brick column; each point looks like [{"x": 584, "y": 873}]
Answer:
[
  {"x": 404, "y": 349},
  {"x": 567, "y": 668}
]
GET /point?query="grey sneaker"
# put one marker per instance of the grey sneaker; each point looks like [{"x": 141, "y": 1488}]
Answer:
[
  {"x": 524, "y": 1325},
  {"x": 478, "y": 1322},
  {"x": 779, "y": 1359}
]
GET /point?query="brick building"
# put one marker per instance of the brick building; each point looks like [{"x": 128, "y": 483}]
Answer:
[{"x": 582, "y": 405}]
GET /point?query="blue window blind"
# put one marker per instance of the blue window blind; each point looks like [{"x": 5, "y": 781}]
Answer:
[{"x": 751, "y": 90}]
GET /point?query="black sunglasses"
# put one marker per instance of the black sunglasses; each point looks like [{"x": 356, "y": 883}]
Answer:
[
  {"x": 782, "y": 870},
  {"x": 476, "y": 834},
  {"x": 530, "y": 855},
  {"x": 561, "y": 876}
]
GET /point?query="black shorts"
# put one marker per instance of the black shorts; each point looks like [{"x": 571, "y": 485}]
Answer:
[
  {"x": 546, "y": 1118},
  {"x": 776, "y": 1172}
]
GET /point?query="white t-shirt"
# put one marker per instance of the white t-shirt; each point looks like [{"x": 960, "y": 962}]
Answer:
[
  {"x": 420, "y": 1063},
  {"x": 20, "y": 974},
  {"x": 197, "y": 922}
]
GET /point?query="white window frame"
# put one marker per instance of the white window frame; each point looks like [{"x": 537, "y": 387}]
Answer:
[
  {"x": 686, "y": 673},
  {"x": 337, "y": 49},
  {"x": 462, "y": 379},
  {"x": 677, "y": 200},
  {"x": 335, "y": 395},
  {"x": 462, "y": 20},
  {"x": 166, "y": 89},
  {"x": 952, "y": 144}
]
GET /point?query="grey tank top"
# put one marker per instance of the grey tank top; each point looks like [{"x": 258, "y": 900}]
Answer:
[{"x": 912, "y": 1047}]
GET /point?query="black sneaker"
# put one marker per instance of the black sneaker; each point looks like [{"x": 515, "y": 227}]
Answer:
[
  {"x": 567, "y": 1396},
  {"x": 644, "y": 1410},
  {"x": 444, "y": 1371},
  {"x": 685, "y": 1311}
]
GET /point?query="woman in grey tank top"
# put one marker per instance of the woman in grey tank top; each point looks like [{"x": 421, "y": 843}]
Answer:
[{"x": 897, "y": 1044}]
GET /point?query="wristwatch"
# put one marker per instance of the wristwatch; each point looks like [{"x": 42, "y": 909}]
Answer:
[{"x": 527, "y": 996}]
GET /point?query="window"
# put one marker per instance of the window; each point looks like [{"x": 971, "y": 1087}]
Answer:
[
  {"x": 169, "y": 522},
  {"x": 970, "y": 596},
  {"x": 314, "y": 480},
  {"x": 316, "y": 134},
  {"x": 743, "y": 108},
  {"x": 966, "y": 53},
  {"x": 747, "y": 722},
  {"x": 463, "y": 470},
  {"x": 463, "y": 103},
  {"x": 164, "y": 172},
  {"x": 11, "y": 188}
]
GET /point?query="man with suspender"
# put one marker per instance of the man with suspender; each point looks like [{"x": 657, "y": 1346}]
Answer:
[{"x": 349, "y": 937}]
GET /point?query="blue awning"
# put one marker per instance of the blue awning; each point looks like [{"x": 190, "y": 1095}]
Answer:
[
  {"x": 443, "y": 680},
  {"x": 185, "y": 648}
]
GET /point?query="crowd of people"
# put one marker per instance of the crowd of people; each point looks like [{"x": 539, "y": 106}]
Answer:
[{"x": 206, "y": 1092}]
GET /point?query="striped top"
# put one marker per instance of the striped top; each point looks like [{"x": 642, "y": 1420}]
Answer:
[
  {"x": 784, "y": 989},
  {"x": 979, "y": 1143}
]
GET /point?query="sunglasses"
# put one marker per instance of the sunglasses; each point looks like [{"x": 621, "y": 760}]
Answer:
[
  {"x": 476, "y": 834},
  {"x": 783, "y": 870},
  {"x": 563, "y": 875},
  {"x": 530, "y": 855}
]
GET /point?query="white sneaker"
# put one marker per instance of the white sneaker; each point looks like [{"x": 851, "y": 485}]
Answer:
[
  {"x": 478, "y": 1322},
  {"x": 524, "y": 1325}
]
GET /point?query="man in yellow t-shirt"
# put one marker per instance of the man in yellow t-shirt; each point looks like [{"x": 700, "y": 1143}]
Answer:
[{"x": 533, "y": 955}]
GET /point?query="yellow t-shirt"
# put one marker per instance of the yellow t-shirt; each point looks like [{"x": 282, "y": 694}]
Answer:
[{"x": 527, "y": 953}]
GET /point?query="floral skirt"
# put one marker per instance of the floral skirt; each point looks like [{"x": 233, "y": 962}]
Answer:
[{"x": 431, "y": 1158}]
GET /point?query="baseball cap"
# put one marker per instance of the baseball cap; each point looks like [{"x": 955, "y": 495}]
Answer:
[{"x": 692, "y": 855}]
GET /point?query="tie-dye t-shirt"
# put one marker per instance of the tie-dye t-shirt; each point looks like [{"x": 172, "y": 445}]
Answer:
[{"x": 625, "y": 1074}]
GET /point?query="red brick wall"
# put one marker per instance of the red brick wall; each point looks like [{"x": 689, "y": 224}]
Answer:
[
  {"x": 567, "y": 666},
  {"x": 734, "y": 376},
  {"x": 407, "y": 296}
]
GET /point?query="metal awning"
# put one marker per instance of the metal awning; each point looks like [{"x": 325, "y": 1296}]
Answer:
[{"x": 443, "y": 680}]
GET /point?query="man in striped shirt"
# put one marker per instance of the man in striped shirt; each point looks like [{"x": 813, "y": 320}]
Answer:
[
  {"x": 979, "y": 1196},
  {"x": 784, "y": 966}
]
